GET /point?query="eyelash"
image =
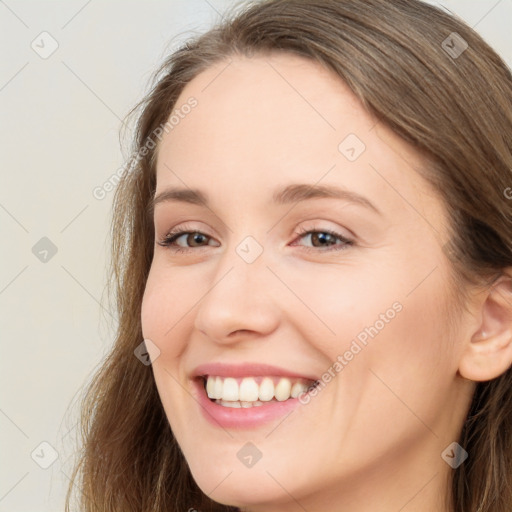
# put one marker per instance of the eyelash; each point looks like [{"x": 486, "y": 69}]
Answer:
[{"x": 169, "y": 240}]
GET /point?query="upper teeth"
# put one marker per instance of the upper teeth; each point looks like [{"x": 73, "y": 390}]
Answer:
[{"x": 249, "y": 389}]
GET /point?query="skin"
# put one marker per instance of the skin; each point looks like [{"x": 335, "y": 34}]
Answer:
[{"x": 372, "y": 438}]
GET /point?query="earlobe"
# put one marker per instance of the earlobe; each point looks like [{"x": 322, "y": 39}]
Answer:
[{"x": 488, "y": 352}]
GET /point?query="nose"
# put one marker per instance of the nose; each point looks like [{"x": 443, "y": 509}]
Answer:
[{"x": 241, "y": 302}]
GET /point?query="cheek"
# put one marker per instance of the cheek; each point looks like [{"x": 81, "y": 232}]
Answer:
[
  {"x": 339, "y": 304},
  {"x": 414, "y": 351},
  {"x": 161, "y": 310},
  {"x": 151, "y": 318},
  {"x": 412, "y": 362}
]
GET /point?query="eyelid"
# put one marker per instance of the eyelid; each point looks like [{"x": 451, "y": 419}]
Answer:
[
  {"x": 168, "y": 241},
  {"x": 185, "y": 227},
  {"x": 177, "y": 232}
]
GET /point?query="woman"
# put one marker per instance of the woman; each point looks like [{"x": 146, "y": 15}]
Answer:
[{"x": 314, "y": 242}]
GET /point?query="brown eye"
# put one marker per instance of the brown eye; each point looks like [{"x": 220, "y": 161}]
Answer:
[
  {"x": 195, "y": 238},
  {"x": 191, "y": 238},
  {"x": 325, "y": 238}
]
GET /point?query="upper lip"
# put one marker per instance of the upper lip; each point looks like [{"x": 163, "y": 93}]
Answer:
[{"x": 246, "y": 370}]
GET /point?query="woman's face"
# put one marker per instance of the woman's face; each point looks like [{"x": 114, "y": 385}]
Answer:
[{"x": 318, "y": 253}]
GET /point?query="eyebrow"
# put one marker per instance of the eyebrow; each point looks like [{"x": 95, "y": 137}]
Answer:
[{"x": 285, "y": 195}]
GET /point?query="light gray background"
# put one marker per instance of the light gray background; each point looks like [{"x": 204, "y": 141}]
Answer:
[{"x": 59, "y": 131}]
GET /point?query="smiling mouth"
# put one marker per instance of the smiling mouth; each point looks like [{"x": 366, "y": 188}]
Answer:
[{"x": 249, "y": 392}]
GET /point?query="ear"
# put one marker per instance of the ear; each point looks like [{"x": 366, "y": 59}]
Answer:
[{"x": 488, "y": 354}]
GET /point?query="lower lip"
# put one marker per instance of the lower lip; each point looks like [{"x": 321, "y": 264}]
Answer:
[{"x": 249, "y": 417}]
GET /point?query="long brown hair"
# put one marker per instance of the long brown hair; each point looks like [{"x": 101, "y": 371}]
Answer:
[{"x": 422, "y": 73}]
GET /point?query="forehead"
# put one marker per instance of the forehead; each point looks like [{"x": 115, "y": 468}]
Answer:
[
  {"x": 271, "y": 120},
  {"x": 265, "y": 104}
]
